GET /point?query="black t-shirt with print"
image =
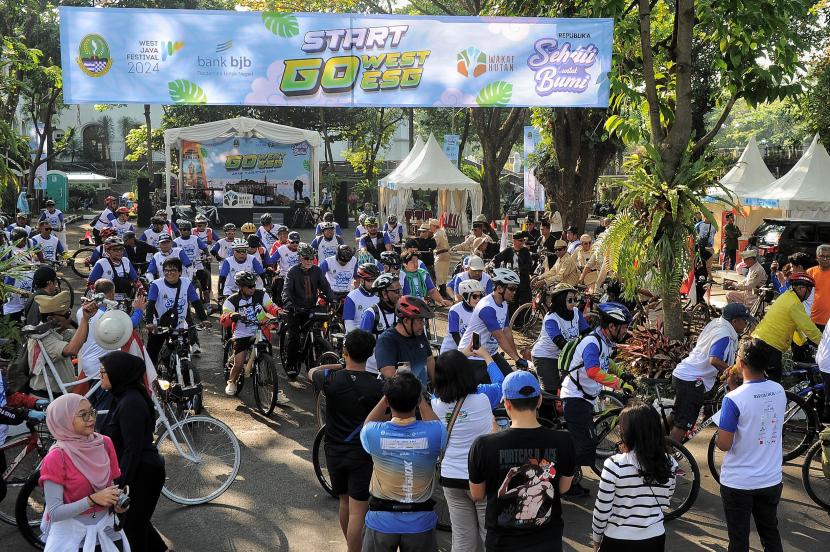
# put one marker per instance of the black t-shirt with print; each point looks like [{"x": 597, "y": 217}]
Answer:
[
  {"x": 521, "y": 470},
  {"x": 350, "y": 396}
]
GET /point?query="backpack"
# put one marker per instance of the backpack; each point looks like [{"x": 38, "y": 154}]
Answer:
[{"x": 566, "y": 356}]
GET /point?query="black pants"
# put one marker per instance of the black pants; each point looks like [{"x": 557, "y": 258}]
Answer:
[
  {"x": 826, "y": 379},
  {"x": 654, "y": 544},
  {"x": 144, "y": 494},
  {"x": 762, "y": 504},
  {"x": 776, "y": 361},
  {"x": 579, "y": 415},
  {"x": 154, "y": 344},
  {"x": 276, "y": 288},
  {"x": 294, "y": 322},
  {"x": 480, "y": 368},
  {"x": 522, "y": 296},
  {"x": 729, "y": 258},
  {"x": 548, "y": 371}
]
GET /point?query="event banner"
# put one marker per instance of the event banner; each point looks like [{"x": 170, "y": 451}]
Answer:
[
  {"x": 243, "y": 172},
  {"x": 115, "y": 55},
  {"x": 533, "y": 189}
]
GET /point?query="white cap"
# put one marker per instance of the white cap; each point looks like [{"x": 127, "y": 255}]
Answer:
[
  {"x": 475, "y": 263},
  {"x": 113, "y": 330}
]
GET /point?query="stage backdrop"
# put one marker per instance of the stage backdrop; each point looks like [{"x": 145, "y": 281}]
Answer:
[
  {"x": 250, "y": 58},
  {"x": 246, "y": 170}
]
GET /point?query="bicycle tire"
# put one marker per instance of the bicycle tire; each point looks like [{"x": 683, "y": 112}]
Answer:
[
  {"x": 265, "y": 384},
  {"x": 28, "y": 510},
  {"x": 442, "y": 509},
  {"x": 79, "y": 265},
  {"x": 227, "y": 358},
  {"x": 682, "y": 456},
  {"x": 195, "y": 404},
  {"x": 800, "y": 427},
  {"x": 64, "y": 285},
  {"x": 192, "y": 433},
  {"x": 320, "y": 409},
  {"x": 815, "y": 482},
  {"x": 318, "y": 459},
  {"x": 608, "y": 438},
  {"x": 16, "y": 480},
  {"x": 523, "y": 318},
  {"x": 714, "y": 458}
]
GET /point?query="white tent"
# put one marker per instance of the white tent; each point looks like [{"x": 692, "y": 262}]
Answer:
[
  {"x": 244, "y": 126},
  {"x": 432, "y": 170},
  {"x": 413, "y": 153},
  {"x": 749, "y": 174},
  {"x": 805, "y": 190}
]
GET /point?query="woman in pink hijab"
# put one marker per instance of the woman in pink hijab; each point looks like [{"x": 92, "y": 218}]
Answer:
[{"x": 77, "y": 477}]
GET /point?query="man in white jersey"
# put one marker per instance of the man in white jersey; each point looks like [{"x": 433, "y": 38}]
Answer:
[
  {"x": 340, "y": 270},
  {"x": 326, "y": 245},
  {"x": 285, "y": 258},
  {"x": 328, "y": 217},
  {"x": 55, "y": 217},
  {"x": 489, "y": 321},
  {"x": 122, "y": 223},
  {"x": 167, "y": 249},
  {"x": 21, "y": 221},
  {"x": 267, "y": 232},
  {"x": 394, "y": 231},
  {"x": 19, "y": 256},
  {"x": 151, "y": 235},
  {"x": 104, "y": 218},
  {"x": 750, "y": 430},
  {"x": 116, "y": 268},
  {"x": 474, "y": 271},
  {"x": 49, "y": 244},
  {"x": 381, "y": 316},
  {"x": 240, "y": 261},
  {"x": 223, "y": 248},
  {"x": 193, "y": 247},
  {"x": 362, "y": 298}
]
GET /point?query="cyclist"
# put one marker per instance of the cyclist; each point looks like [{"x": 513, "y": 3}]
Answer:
[
  {"x": 20, "y": 254},
  {"x": 381, "y": 316},
  {"x": 169, "y": 226},
  {"x": 474, "y": 271},
  {"x": 239, "y": 261},
  {"x": 101, "y": 251},
  {"x": 151, "y": 235},
  {"x": 223, "y": 248},
  {"x": 172, "y": 289},
  {"x": 588, "y": 371},
  {"x": 417, "y": 281},
  {"x": 167, "y": 249},
  {"x": 247, "y": 304},
  {"x": 340, "y": 270},
  {"x": 303, "y": 283},
  {"x": 103, "y": 219},
  {"x": 137, "y": 250},
  {"x": 785, "y": 317},
  {"x": 563, "y": 323},
  {"x": 471, "y": 292},
  {"x": 117, "y": 269},
  {"x": 393, "y": 231},
  {"x": 360, "y": 230},
  {"x": 196, "y": 249},
  {"x": 207, "y": 234},
  {"x": 326, "y": 245},
  {"x": 282, "y": 239},
  {"x": 391, "y": 262},
  {"x": 374, "y": 242},
  {"x": 248, "y": 229},
  {"x": 55, "y": 218},
  {"x": 287, "y": 257},
  {"x": 121, "y": 223},
  {"x": 489, "y": 320},
  {"x": 695, "y": 375},
  {"x": 48, "y": 243},
  {"x": 406, "y": 344},
  {"x": 266, "y": 231},
  {"x": 360, "y": 298},
  {"x": 328, "y": 217}
]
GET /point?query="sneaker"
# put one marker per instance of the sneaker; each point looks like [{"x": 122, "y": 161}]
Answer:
[
  {"x": 195, "y": 350},
  {"x": 291, "y": 373},
  {"x": 230, "y": 388}
]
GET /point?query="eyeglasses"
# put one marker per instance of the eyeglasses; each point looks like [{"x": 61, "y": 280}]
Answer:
[
  {"x": 170, "y": 269},
  {"x": 475, "y": 296},
  {"x": 512, "y": 288},
  {"x": 87, "y": 415},
  {"x": 571, "y": 300},
  {"x": 561, "y": 249}
]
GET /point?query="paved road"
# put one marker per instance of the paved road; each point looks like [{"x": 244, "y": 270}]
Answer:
[{"x": 277, "y": 505}]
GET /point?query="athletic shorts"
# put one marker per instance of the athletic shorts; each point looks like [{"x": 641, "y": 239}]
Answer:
[
  {"x": 349, "y": 475},
  {"x": 241, "y": 344},
  {"x": 688, "y": 401}
]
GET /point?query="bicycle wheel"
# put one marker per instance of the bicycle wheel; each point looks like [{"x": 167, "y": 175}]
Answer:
[
  {"x": 318, "y": 459},
  {"x": 208, "y": 462},
  {"x": 800, "y": 428},
  {"x": 687, "y": 481},
  {"x": 266, "y": 384},
  {"x": 16, "y": 479},
  {"x": 80, "y": 262},
  {"x": 714, "y": 457},
  {"x": 608, "y": 437},
  {"x": 607, "y": 400},
  {"x": 227, "y": 362},
  {"x": 815, "y": 482},
  {"x": 320, "y": 409},
  {"x": 64, "y": 285},
  {"x": 28, "y": 510},
  {"x": 442, "y": 510},
  {"x": 523, "y": 318}
]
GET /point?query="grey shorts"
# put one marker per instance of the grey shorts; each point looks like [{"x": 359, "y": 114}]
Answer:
[{"x": 374, "y": 541}]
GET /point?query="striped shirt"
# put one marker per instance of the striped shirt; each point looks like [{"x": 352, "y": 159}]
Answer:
[{"x": 627, "y": 507}]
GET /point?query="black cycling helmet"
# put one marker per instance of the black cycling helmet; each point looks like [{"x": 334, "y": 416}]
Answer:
[
  {"x": 184, "y": 224},
  {"x": 157, "y": 220},
  {"x": 368, "y": 271},
  {"x": 245, "y": 278},
  {"x": 391, "y": 259},
  {"x": 265, "y": 219},
  {"x": 410, "y": 306},
  {"x": 614, "y": 313},
  {"x": 383, "y": 281},
  {"x": 306, "y": 251},
  {"x": 328, "y": 217},
  {"x": 345, "y": 253},
  {"x": 18, "y": 234},
  {"x": 294, "y": 237},
  {"x": 254, "y": 241},
  {"x": 229, "y": 226}
]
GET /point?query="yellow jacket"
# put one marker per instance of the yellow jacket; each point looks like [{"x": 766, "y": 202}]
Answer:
[{"x": 784, "y": 317}]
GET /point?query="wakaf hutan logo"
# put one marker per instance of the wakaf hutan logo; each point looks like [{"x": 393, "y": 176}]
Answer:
[
  {"x": 94, "y": 56},
  {"x": 472, "y": 62}
]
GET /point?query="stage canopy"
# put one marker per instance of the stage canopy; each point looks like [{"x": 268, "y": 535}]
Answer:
[
  {"x": 749, "y": 174},
  {"x": 431, "y": 170},
  {"x": 248, "y": 128}
]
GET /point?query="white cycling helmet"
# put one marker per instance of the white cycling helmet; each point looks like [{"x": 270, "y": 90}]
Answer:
[
  {"x": 505, "y": 276},
  {"x": 466, "y": 287}
]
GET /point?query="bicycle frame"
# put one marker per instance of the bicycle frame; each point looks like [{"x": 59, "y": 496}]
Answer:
[
  {"x": 164, "y": 420},
  {"x": 64, "y": 387},
  {"x": 32, "y": 442}
]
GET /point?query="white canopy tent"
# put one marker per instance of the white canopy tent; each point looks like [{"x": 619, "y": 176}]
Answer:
[
  {"x": 805, "y": 190},
  {"x": 430, "y": 170},
  {"x": 413, "y": 153},
  {"x": 244, "y": 127},
  {"x": 749, "y": 174}
]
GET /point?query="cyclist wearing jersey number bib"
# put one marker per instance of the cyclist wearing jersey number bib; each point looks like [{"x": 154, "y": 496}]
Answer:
[{"x": 381, "y": 316}]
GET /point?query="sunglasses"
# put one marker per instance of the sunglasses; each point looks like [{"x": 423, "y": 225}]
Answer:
[
  {"x": 561, "y": 249},
  {"x": 585, "y": 243},
  {"x": 87, "y": 415},
  {"x": 476, "y": 296},
  {"x": 308, "y": 258},
  {"x": 512, "y": 288}
]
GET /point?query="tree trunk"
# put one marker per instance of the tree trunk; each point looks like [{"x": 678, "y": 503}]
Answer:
[
  {"x": 498, "y": 130},
  {"x": 464, "y": 134},
  {"x": 149, "y": 124}
]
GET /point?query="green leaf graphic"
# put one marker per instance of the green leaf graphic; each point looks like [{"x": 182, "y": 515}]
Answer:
[
  {"x": 185, "y": 92},
  {"x": 203, "y": 151},
  {"x": 306, "y": 165},
  {"x": 283, "y": 25},
  {"x": 495, "y": 94}
]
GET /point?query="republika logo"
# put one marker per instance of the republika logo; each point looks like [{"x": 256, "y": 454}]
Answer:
[
  {"x": 94, "y": 56},
  {"x": 472, "y": 62}
]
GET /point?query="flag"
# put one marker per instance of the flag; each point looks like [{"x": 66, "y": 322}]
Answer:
[
  {"x": 441, "y": 221},
  {"x": 688, "y": 286},
  {"x": 504, "y": 225},
  {"x": 136, "y": 348}
]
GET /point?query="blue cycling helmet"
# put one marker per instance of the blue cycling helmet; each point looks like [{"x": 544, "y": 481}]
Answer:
[{"x": 613, "y": 312}]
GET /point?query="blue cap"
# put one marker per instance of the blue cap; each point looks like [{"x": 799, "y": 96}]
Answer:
[
  {"x": 735, "y": 311},
  {"x": 516, "y": 381}
]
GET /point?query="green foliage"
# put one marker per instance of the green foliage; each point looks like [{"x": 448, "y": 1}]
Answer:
[
  {"x": 183, "y": 91},
  {"x": 136, "y": 142},
  {"x": 495, "y": 94},
  {"x": 778, "y": 123},
  {"x": 281, "y": 24},
  {"x": 814, "y": 107},
  {"x": 473, "y": 172}
]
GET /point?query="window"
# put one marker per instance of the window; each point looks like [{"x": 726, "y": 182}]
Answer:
[{"x": 803, "y": 233}]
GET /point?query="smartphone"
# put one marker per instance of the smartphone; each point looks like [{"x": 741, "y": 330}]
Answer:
[{"x": 476, "y": 341}]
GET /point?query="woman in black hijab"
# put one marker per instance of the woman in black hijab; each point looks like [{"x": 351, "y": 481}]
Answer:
[{"x": 130, "y": 425}]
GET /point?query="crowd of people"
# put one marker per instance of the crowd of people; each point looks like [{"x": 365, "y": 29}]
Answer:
[{"x": 395, "y": 409}]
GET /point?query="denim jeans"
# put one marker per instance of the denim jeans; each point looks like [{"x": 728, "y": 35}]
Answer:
[{"x": 762, "y": 504}]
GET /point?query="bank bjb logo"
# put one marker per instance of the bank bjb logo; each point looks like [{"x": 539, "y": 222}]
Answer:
[
  {"x": 472, "y": 62},
  {"x": 94, "y": 56}
]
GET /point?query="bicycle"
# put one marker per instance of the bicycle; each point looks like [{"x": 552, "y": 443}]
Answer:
[
  {"x": 81, "y": 263},
  {"x": 259, "y": 365},
  {"x": 699, "y": 314},
  {"x": 176, "y": 366},
  {"x": 304, "y": 217},
  {"x": 313, "y": 343},
  {"x": 527, "y": 318},
  {"x": 26, "y": 451},
  {"x": 816, "y": 483},
  {"x": 63, "y": 283}
]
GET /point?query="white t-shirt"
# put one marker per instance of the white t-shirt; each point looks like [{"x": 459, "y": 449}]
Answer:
[
  {"x": 717, "y": 339},
  {"x": 325, "y": 248},
  {"x": 55, "y": 219},
  {"x": 165, "y": 296},
  {"x": 553, "y": 325},
  {"x": 487, "y": 317},
  {"x": 248, "y": 310},
  {"x": 121, "y": 227},
  {"x": 159, "y": 257},
  {"x": 103, "y": 219},
  {"x": 192, "y": 249},
  {"x": 233, "y": 267},
  {"x": 357, "y": 301},
  {"x": 49, "y": 247},
  {"x": 225, "y": 249},
  {"x": 88, "y": 363},
  {"x": 754, "y": 412},
  {"x": 267, "y": 237},
  {"x": 340, "y": 277},
  {"x": 287, "y": 260},
  {"x": 474, "y": 420},
  {"x": 457, "y": 320},
  {"x": 823, "y": 353}
]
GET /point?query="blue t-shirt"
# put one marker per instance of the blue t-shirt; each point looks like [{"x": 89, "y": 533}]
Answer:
[
  {"x": 392, "y": 348},
  {"x": 404, "y": 457}
]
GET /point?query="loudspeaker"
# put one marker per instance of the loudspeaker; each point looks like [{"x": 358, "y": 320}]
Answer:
[
  {"x": 341, "y": 205},
  {"x": 158, "y": 181},
  {"x": 145, "y": 205}
]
